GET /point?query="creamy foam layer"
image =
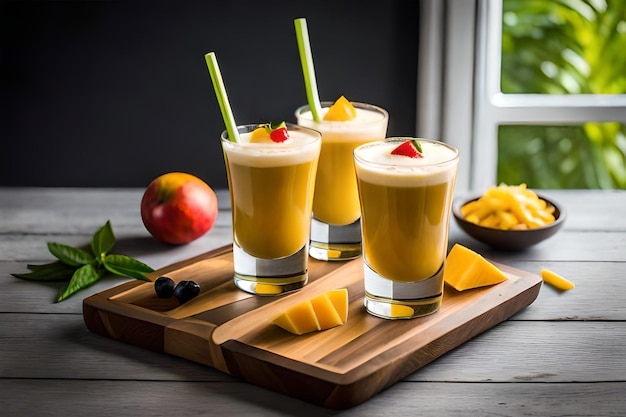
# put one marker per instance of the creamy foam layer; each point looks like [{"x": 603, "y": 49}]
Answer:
[
  {"x": 377, "y": 165},
  {"x": 301, "y": 147},
  {"x": 367, "y": 119},
  {"x": 363, "y": 116}
]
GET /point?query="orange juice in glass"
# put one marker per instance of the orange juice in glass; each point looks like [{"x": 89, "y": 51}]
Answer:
[
  {"x": 335, "y": 227},
  {"x": 405, "y": 211},
  {"x": 271, "y": 190}
]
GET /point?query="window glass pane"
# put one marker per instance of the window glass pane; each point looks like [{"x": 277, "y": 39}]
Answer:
[
  {"x": 564, "y": 46},
  {"x": 590, "y": 155}
]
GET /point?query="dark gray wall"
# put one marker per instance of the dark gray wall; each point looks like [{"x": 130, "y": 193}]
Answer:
[{"x": 115, "y": 93}]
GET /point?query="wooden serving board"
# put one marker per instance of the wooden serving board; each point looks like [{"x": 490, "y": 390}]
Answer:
[{"x": 230, "y": 330}]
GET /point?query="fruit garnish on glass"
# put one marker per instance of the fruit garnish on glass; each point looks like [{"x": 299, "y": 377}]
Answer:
[
  {"x": 341, "y": 111},
  {"x": 270, "y": 132},
  {"x": 410, "y": 148}
]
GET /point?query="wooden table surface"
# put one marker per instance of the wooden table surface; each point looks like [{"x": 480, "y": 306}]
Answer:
[{"x": 564, "y": 355}]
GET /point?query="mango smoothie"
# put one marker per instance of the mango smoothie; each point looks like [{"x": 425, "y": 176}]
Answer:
[
  {"x": 271, "y": 187},
  {"x": 405, "y": 204},
  {"x": 336, "y": 200},
  {"x": 405, "y": 210}
]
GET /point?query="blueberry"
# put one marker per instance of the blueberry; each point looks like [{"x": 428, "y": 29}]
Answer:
[
  {"x": 186, "y": 290},
  {"x": 164, "y": 287}
]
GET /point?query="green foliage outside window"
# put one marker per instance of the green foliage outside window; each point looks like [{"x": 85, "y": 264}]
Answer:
[{"x": 563, "y": 47}]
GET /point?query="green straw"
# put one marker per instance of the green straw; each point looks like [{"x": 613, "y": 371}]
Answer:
[
  {"x": 222, "y": 97},
  {"x": 306, "y": 59}
]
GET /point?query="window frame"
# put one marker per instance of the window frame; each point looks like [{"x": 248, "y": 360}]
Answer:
[{"x": 466, "y": 50}]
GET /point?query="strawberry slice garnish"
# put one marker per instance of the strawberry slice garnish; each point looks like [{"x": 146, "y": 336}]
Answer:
[
  {"x": 410, "y": 148},
  {"x": 277, "y": 131}
]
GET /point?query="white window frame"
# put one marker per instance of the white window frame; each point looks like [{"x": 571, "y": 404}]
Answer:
[{"x": 459, "y": 99}]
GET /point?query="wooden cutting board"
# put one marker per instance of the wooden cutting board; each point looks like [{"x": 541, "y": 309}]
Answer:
[{"x": 230, "y": 330}]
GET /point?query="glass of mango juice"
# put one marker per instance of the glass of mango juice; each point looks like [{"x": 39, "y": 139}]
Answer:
[
  {"x": 335, "y": 226},
  {"x": 405, "y": 212},
  {"x": 271, "y": 192}
]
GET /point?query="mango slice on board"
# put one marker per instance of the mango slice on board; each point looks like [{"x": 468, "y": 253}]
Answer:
[
  {"x": 339, "y": 298},
  {"x": 466, "y": 269},
  {"x": 322, "y": 312}
]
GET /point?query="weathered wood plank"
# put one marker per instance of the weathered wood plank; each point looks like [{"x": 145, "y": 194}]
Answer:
[
  {"x": 80, "y": 199},
  {"x": 342, "y": 367},
  {"x": 596, "y": 212},
  {"x": 531, "y": 365},
  {"x": 33, "y": 249},
  {"x": 598, "y": 294},
  {"x": 520, "y": 351},
  {"x": 59, "y": 346},
  {"x": 564, "y": 246},
  {"x": 58, "y": 214},
  {"x": 166, "y": 399},
  {"x": 61, "y": 211},
  {"x": 514, "y": 351}
]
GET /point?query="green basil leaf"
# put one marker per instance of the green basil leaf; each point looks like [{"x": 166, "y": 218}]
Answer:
[
  {"x": 33, "y": 267},
  {"x": 55, "y": 271},
  {"x": 127, "y": 267},
  {"x": 69, "y": 255},
  {"x": 83, "y": 277},
  {"x": 103, "y": 240}
]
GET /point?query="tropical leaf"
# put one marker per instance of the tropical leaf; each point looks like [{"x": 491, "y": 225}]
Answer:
[{"x": 563, "y": 47}]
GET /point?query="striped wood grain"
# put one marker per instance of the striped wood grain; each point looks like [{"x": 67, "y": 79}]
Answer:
[{"x": 341, "y": 367}]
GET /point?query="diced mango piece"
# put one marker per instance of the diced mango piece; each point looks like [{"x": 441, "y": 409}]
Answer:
[
  {"x": 509, "y": 207},
  {"x": 303, "y": 318},
  {"x": 341, "y": 111},
  {"x": 327, "y": 315},
  {"x": 339, "y": 298},
  {"x": 466, "y": 269},
  {"x": 322, "y": 312},
  {"x": 260, "y": 135},
  {"x": 556, "y": 280},
  {"x": 284, "y": 321}
]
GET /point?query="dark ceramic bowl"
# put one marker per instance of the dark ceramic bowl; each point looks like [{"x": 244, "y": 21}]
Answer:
[{"x": 509, "y": 239}]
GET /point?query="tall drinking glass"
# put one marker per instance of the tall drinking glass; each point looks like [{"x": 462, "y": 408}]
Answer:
[
  {"x": 271, "y": 192},
  {"x": 405, "y": 213},
  {"x": 335, "y": 227}
]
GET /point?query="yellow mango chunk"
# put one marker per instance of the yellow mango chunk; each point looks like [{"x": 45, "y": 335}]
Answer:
[
  {"x": 284, "y": 321},
  {"x": 322, "y": 312},
  {"x": 339, "y": 298},
  {"x": 298, "y": 319},
  {"x": 466, "y": 269},
  {"x": 327, "y": 315},
  {"x": 556, "y": 280},
  {"x": 509, "y": 207},
  {"x": 260, "y": 135},
  {"x": 341, "y": 111}
]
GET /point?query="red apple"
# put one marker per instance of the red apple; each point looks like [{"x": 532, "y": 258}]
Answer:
[{"x": 178, "y": 208}]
